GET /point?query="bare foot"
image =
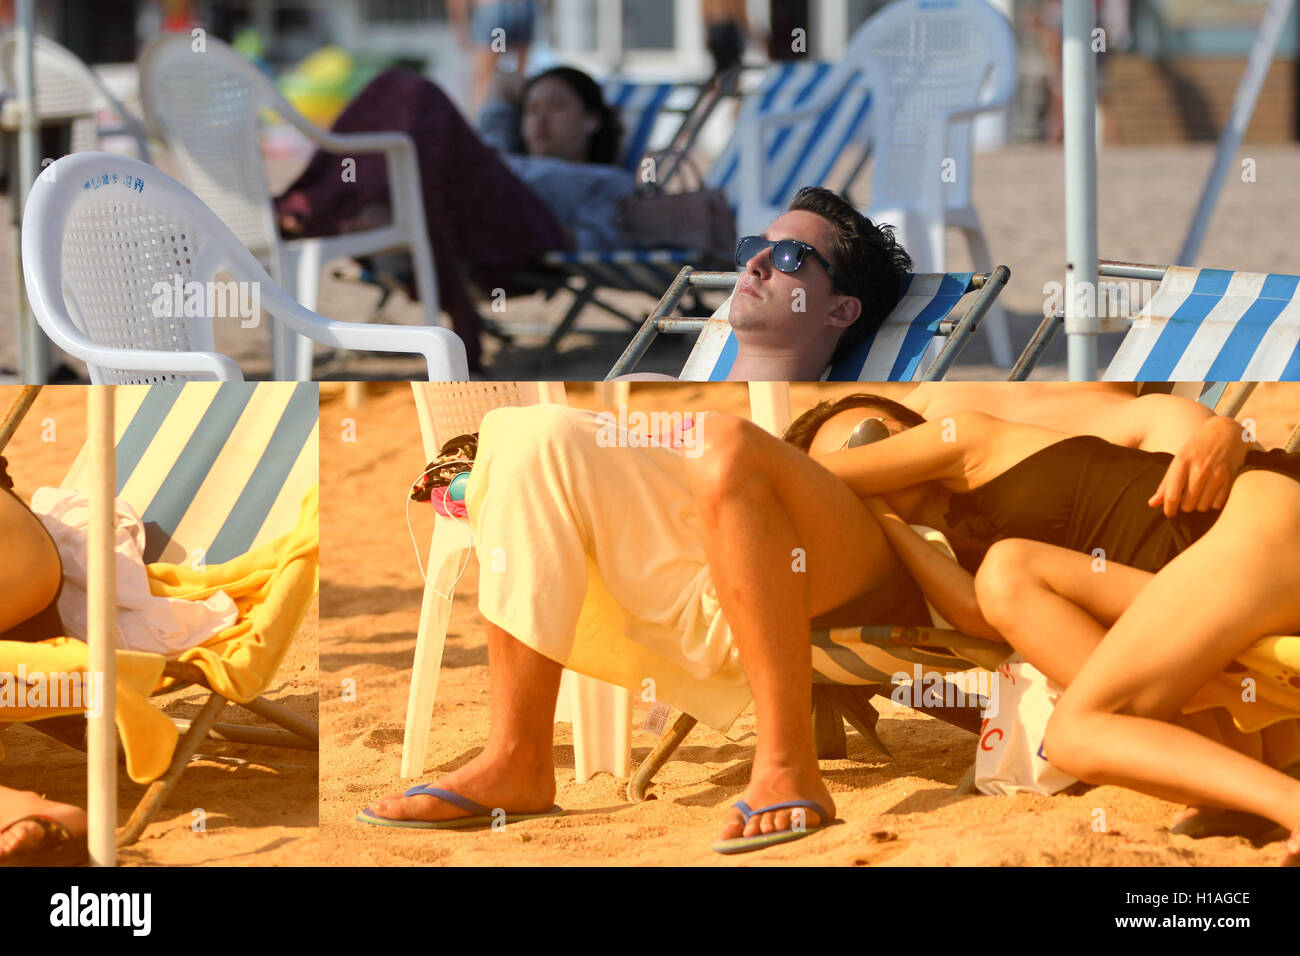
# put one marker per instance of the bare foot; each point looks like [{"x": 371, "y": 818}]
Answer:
[
  {"x": 19, "y": 836},
  {"x": 780, "y": 784},
  {"x": 513, "y": 785}
]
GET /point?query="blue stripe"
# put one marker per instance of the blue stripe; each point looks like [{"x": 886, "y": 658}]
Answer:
[
  {"x": 1292, "y": 371},
  {"x": 636, "y": 143},
  {"x": 835, "y": 154},
  {"x": 923, "y": 329},
  {"x": 144, "y": 425},
  {"x": 1182, "y": 325},
  {"x": 1248, "y": 331},
  {"x": 254, "y": 502},
  {"x": 726, "y": 358},
  {"x": 192, "y": 467},
  {"x": 800, "y": 98}
]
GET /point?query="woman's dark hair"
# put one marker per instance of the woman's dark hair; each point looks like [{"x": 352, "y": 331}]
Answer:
[
  {"x": 603, "y": 144},
  {"x": 802, "y": 429},
  {"x": 869, "y": 262}
]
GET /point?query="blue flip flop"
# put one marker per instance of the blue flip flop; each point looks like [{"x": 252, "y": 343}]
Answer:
[
  {"x": 480, "y": 816},
  {"x": 763, "y": 840}
]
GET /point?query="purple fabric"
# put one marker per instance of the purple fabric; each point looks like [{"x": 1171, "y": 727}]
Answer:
[{"x": 479, "y": 214}]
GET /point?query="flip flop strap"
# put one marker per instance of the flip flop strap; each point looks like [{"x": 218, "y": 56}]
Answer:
[
  {"x": 455, "y": 799},
  {"x": 746, "y": 812}
]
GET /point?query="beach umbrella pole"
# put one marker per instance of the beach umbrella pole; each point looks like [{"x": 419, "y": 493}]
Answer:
[
  {"x": 1079, "y": 105},
  {"x": 33, "y": 352},
  {"x": 101, "y": 591}
]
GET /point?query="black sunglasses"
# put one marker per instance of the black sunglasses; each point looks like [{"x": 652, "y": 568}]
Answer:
[{"x": 787, "y": 254}]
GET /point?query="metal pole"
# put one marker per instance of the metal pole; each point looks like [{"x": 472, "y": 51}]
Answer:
[
  {"x": 1243, "y": 108},
  {"x": 1080, "y": 108},
  {"x": 33, "y": 349},
  {"x": 101, "y": 617}
]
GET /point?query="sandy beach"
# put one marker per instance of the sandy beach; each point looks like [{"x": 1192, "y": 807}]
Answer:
[
  {"x": 902, "y": 811},
  {"x": 259, "y": 803}
]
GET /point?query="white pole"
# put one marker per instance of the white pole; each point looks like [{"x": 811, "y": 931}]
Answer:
[
  {"x": 101, "y": 600},
  {"x": 1243, "y": 108},
  {"x": 33, "y": 349},
  {"x": 1080, "y": 109}
]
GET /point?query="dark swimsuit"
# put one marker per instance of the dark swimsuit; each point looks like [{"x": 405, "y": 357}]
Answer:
[
  {"x": 1084, "y": 493},
  {"x": 47, "y": 622}
]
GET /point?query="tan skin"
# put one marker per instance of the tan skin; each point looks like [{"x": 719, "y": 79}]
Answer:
[
  {"x": 757, "y": 496},
  {"x": 29, "y": 579},
  {"x": 1124, "y": 687}
]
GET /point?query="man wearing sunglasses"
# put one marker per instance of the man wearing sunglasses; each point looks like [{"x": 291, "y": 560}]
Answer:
[{"x": 818, "y": 281}]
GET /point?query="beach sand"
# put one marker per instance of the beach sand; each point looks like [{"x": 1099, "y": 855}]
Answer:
[
  {"x": 259, "y": 803},
  {"x": 901, "y": 811}
]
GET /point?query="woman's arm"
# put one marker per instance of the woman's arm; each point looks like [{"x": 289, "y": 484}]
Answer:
[{"x": 944, "y": 582}]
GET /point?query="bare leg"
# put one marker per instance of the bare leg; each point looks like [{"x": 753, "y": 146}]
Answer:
[
  {"x": 786, "y": 542},
  {"x": 516, "y": 770},
  {"x": 1238, "y": 583}
]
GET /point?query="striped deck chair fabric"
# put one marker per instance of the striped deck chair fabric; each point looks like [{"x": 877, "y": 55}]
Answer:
[
  {"x": 1214, "y": 325},
  {"x": 902, "y": 348},
  {"x": 216, "y": 468},
  {"x": 646, "y": 111}
]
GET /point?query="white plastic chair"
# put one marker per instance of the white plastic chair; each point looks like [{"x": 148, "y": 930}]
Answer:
[
  {"x": 66, "y": 89},
  {"x": 106, "y": 237},
  {"x": 205, "y": 106},
  {"x": 931, "y": 67},
  {"x": 601, "y": 713}
]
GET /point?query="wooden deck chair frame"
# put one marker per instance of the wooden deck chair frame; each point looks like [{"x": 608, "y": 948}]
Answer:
[
  {"x": 292, "y": 731},
  {"x": 600, "y": 712},
  {"x": 834, "y": 704},
  {"x": 1122, "y": 320},
  {"x": 955, "y": 332}
]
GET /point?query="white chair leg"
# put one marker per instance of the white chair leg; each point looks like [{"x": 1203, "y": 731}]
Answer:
[
  {"x": 446, "y": 556},
  {"x": 601, "y": 714},
  {"x": 307, "y": 293},
  {"x": 995, "y": 321}
]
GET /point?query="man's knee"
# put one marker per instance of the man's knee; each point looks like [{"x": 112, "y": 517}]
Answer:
[
  {"x": 1069, "y": 744},
  {"x": 530, "y": 434},
  {"x": 725, "y": 462}
]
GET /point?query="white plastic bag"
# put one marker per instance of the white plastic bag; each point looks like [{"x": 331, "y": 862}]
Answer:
[{"x": 1009, "y": 758}]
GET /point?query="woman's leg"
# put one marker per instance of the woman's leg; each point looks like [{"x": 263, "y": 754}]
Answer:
[
  {"x": 1238, "y": 583},
  {"x": 787, "y": 541},
  {"x": 30, "y": 572}
]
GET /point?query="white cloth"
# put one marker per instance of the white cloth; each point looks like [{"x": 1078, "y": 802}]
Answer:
[
  {"x": 1010, "y": 756},
  {"x": 145, "y": 622}
]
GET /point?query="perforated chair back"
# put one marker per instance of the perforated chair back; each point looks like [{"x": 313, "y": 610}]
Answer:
[
  {"x": 205, "y": 105},
  {"x": 448, "y": 409},
  {"x": 923, "y": 59}
]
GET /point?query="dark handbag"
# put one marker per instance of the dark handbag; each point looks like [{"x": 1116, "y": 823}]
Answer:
[{"x": 699, "y": 220}]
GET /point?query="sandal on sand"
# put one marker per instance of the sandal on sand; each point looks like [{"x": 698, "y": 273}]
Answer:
[
  {"x": 480, "y": 816},
  {"x": 764, "y": 840},
  {"x": 59, "y": 846}
]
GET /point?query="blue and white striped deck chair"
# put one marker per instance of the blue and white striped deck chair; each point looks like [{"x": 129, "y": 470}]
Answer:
[
  {"x": 801, "y": 154},
  {"x": 919, "y": 340},
  {"x": 1199, "y": 325},
  {"x": 215, "y": 470},
  {"x": 1214, "y": 325},
  {"x": 651, "y": 114}
]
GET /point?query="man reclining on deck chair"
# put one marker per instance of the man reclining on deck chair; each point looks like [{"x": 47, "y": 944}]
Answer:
[
  {"x": 630, "y": 561},
  {"x": 818, "y": 281}
]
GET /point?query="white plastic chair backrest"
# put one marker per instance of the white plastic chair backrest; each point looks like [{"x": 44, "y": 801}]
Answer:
[
  {"x": 104, "y": 235},
  {"x": 204, "y": 104},
  {"x": 65, "y": 88},
  {"x": 448, "y": 409},
  {"x": 922, "y": 58}
]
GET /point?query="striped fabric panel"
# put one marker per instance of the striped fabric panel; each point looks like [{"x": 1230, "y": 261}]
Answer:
[
  {"x": 213, "y": 468},
  {"x": 804, "y": 152},
  {"x": 893, "y": 353},
  {"x": 1214, "y": 325},
  {"x": 640, "y": 107},
  {"x": 847, "y": 655}
]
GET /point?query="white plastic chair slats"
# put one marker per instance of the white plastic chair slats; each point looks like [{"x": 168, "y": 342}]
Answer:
[{"x": 1206, "y": 325}]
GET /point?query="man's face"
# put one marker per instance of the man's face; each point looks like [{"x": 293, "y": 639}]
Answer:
[{"x": 789, "y": 307}]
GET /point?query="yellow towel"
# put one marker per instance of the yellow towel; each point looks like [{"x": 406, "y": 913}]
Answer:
[{"x": 272, "y": 586}]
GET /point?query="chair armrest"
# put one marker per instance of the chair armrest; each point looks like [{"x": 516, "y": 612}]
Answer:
[
  {"x": 443, "y": 351},
  {"x": 210, "y": 365}
]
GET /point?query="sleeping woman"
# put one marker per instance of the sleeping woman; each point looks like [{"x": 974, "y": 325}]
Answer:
[{"x": 1174, "y": 599}]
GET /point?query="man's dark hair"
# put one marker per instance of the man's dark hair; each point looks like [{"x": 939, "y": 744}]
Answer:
[
  {"x": 869, "y": 263},
  {"x": 802, "y": 429}
]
